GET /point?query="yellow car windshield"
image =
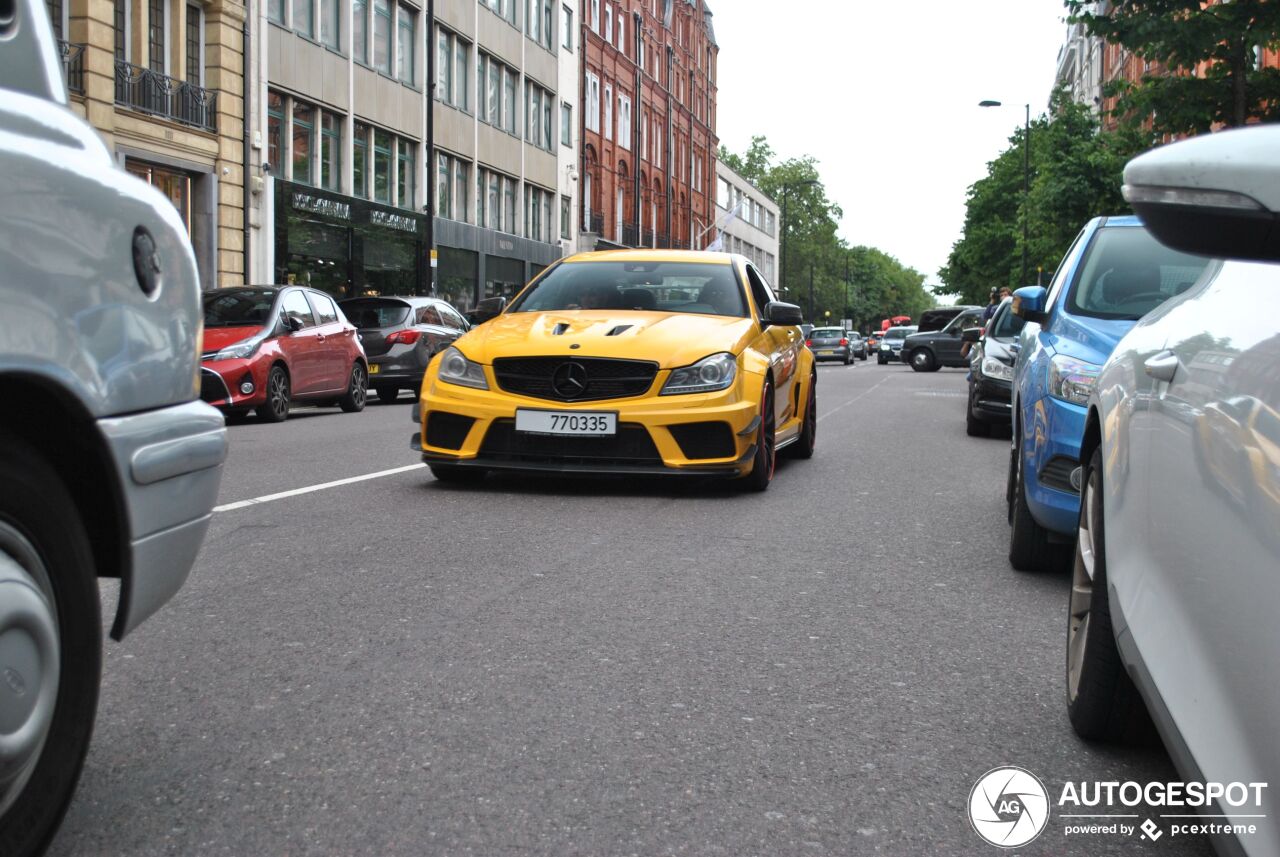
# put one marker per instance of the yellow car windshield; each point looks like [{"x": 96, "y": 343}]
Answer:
[{"x": 687, "y": 287}]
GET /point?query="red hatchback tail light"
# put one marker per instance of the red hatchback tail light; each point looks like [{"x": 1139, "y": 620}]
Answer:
[
  {"x": 809, "y": 342},
  {"x": 403, "y": 337},
  {"x": 844, "y": 342}
]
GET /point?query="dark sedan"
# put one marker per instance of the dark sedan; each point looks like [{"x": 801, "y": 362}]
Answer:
[
  {"x": 991, "y": 377},
  {"x": 400, "y": 335}
]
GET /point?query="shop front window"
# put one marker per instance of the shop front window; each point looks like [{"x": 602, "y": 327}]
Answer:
[
  {"x": 381, "y": 166},
  {"x": 407, "y": 175},
  {"x": 360, "y": 161},
  {"x": 330, "y": 151},
  {"x": 304, "y": 132},
  {"x": 275, "y": 132}
]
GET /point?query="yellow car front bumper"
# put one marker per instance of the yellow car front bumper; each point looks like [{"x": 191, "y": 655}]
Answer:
[{"x": 693, "y": 434}]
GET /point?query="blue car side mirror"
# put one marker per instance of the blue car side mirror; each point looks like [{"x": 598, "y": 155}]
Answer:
[{"x": 1029, "y": 304}]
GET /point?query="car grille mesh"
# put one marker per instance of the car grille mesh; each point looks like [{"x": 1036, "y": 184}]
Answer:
[
  {"x": 704, "y": 440},
  {"x": 1057, "y": 473},
  {"x": 605, "y": 378},
  {"x": 212, "y": 387},
  {"x": 630, "y": 447}
]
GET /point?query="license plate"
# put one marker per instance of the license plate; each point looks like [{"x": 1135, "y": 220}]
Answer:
[
  {"x": 373, "y": 368},
  {"x": 826, "y": 351},
  {"x": 582, "y": 423}
]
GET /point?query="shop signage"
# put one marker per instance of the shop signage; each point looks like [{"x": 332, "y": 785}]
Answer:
[
  {"x": 393, "y": 221},
  {"x": 320, "y": 205}
]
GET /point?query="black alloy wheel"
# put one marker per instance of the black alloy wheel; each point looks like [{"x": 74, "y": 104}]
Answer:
[
  {"x": 765, "y": 460},
  {"x": 922, "y": 360},
  {"x": 973, "y": 425},
  {"x": 804, "y": 446},
  {"x": 276, "y": 408},
  {"x": 1029, "y": 548},
  {"x": 353, "y": 401}
]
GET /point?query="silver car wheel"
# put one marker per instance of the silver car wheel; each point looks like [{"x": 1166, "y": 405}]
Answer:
[{"x": 1082, "y": 585}]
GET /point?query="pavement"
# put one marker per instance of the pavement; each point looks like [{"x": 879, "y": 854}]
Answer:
[{"x": 536, "y": 666}]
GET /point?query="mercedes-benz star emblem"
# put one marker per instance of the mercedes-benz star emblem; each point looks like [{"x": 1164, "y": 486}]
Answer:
[{"x": 569, "y": 380}]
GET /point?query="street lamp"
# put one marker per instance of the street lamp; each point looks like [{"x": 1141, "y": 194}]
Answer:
[
  {"x": 786, "y": 227},
  {"x": 1026, "y": 179}
]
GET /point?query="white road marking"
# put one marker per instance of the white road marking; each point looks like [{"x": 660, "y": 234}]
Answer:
[
  {"x": 240, "y": 504},
  {"x": 821, "y": 417}
]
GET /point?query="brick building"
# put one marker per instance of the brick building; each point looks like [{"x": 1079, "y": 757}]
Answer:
[{"x": 648, "y": 96}]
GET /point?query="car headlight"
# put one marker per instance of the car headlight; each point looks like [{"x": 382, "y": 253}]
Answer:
[
  {"x": 993, "y": 368},
  {"x": 239, "y": 351},
  {"x": 1072, "y": 379},
  {"x": 709, "y": 374},
  {"x": 884, "y": 346},
  {"x": 455, "y": 368}
]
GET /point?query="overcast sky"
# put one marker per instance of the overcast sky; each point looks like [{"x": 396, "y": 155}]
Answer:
[{"x": 884, "y": 93}]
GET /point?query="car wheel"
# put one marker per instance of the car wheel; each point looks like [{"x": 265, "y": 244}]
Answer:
[
  {"x": 805, "y": 444},
  {"x": 765, "y": 460},
  {"x": 1029, "y": 548},
  {"x": 453, "y": 475},
  {"x": 862, "y": 357},
  {"x": 357, "y": 390},
  {"x": 881, "y": 359},
  {"x": 922, "y": 360},
  {"x": 50, "y": 647},
  {"x": 387, "y": 395},
  {"x": 1102, "y": 701},
  {"x": 276, "y": 407},
  {"x": 973, "y": 426}
]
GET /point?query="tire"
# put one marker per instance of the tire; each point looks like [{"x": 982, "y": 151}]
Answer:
[
  {"x": 276, "y": 408},
  {"x": 44, "y": 549},
  {"x": 973, "y": 426},
  {"x": 922, "y": 360},
  {"x": 863, "y": 356},
  {"x": 357, "y": 395},
  {"x": 803, "y": 447},
  {"x": 1102, "y": 701},
  {"x": 880, "y": 359},
  {"x": 452, "y": 475},
  {"x": 387, "y": 395},
  {"x": 765, "y": 460},
  {"x": 1029, "y": 548}
]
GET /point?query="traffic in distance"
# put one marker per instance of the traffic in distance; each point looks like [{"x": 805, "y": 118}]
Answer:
[{"x": 1138, "y": 388}]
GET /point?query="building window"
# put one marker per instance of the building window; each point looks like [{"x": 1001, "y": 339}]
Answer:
[
  {"x": 505, "y": 9},
  {"x": 538, "y": 115},
  {"x": 509, "y": 204},
  {"x": 122, "y": 29},
  {"x": 622, "y": 32},
  {"x": 722, "y": 193},
  {"x": 407, "y": 175},
  {"x": 566, "y": 208},
  {"x": 595, "y": 15},
  {"x": 453, "y": 60},
  {"x": 624, "y": 121},
  {"x": 462, "y": 73},
  {"x": 461, "y": 186},
  {"x": 608, "y": 23},
  {"x": 304, "y": 135},
  {"x": 303, "y": 12},
  {"x": 275, "y": 132},
  {"x": 566, "y": 124},
  {"x": 537, "y": 19},
  {"x": 330, "y": 150},
  {"x": 495, "y": 93},
  {"x": 360, "y": 30},
  {"x": 566, "y": 27},
  {"x": 406, "y": 30},
  {"x": 608, "y": 112},
  {"x": 770, "y": 225},
  {"x": 330, "y": 30},
  {"x": 360, "y": 161},
  {"x": 381, "y": 35},
  {"x": 381, "y": 166},
  {"x": 195, "y": 45},
  {"x": 444, "y": 187},
  {"x": 158, "y": 12},
  {"x": 509, "y": 88}
]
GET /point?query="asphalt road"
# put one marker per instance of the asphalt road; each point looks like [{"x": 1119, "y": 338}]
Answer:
[{"x": 540, "y": 667}]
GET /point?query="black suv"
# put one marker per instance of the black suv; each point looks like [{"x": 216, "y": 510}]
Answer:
[{"x": 930, "y": 351}]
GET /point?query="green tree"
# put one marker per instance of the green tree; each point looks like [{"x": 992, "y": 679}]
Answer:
[{"x": 1205, "y": 72}]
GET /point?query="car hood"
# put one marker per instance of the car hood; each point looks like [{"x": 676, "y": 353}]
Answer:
[
  {"x": 670, "y": 339},
  {"x": 218, "y": 338},
  {"x": 1088, "y": 339}
]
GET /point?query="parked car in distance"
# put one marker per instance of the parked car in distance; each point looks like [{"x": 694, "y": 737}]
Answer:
[
  {"x": 806, "y": 329},
  {"x": 991, "y": 370},
  {"x": 940, "y": 317},
  {"x": 830, "y": 343},
  {"x": 857, "y": 343},
  {"x": 930, "y": 351},
  {"x": 267, "y": 347},
  {"x": 873, "y": 342},
  {"x": 1175, "y": 577},
  {"x": 1114, "y": 274},
  {"x": 891, "y": 344},
  {"x": 400, "y": 335},
  {"x": 109, "y": 463}
]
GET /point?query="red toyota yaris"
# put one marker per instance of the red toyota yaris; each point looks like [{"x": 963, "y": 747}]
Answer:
[{"x": 268, "y": 346}]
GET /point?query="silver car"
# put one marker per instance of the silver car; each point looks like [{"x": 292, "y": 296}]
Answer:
[
  {"x": 109, "y": 463},
  {"x": 1177, "y": 566}
]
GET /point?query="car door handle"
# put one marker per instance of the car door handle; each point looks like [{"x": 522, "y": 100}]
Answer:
[
  {"x": 1162, "y": 366},
  {"x": 320, "y": 337}
]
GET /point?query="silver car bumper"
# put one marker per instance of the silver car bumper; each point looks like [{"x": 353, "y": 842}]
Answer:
[{"x": 170, "y": 465}]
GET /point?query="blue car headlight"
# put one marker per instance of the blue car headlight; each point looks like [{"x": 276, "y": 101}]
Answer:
[{"x": 1071, "y": 379}]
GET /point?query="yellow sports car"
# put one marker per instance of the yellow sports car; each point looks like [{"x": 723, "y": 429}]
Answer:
[{"x": 626, "y": 362}]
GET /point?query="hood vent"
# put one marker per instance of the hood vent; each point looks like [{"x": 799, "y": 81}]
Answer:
[
  {"x": 560, "y": 329},
  {"x": 622, "y": 328}
]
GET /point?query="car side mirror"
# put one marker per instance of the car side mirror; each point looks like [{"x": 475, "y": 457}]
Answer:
[
  {"x": 489, "y": 308},
  {"x": 1029, "y": 304},
  {"x": 291, "y": 323},
  {"x": 971, "y": 334},
  {"x": 1215, "y": 195},
  {"x": 782, "y": 314}
]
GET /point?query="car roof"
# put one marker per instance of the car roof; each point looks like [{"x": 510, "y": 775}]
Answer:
[{"x": 643, "y": 255}]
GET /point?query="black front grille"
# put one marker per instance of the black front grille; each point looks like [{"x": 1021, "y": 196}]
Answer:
[
  {"x": 212, "y": 387},
  {"x": 1057, "y": 473},
  {"x": 446, "y": 430},
  {"x": 704, "y": 440},
  {"x": 604, "y": 378},
  {"x": 630, "y": 447}
]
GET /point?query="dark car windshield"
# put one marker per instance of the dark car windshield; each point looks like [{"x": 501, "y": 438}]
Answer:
[
  {"x": 374, "y": 312},
  {"x": 1127, "y": 273},
  {"x": 827, "y": 333},
  {"x": 897, "y": 333},
  {"x": 687, "y": 287},
  {"x": 1006, "y": 325},
  {"x": 238, "y": 307}
]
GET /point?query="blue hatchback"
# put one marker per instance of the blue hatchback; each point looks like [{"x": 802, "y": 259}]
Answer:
[{"x": 1114, "y": 274}]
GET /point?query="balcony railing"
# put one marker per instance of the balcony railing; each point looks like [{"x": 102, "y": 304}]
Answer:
[
  {"x": 648, "y": 238},
  {"x": 72, "y": 65},
  {"x": 630, "y": 234},
  {"x": 664, "y": 243},
  {"x": 596, "y": 224},
  {"x": 161, "y": 95}
]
